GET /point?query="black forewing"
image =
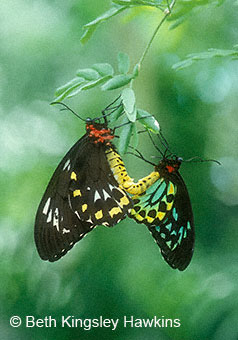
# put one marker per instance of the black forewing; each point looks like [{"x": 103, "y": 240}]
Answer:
[
  {"x": 81, "y": 194},
  {"x": 95, "y": 195},
  {"x": 57, "y": 228},
  {"x": 175, "y": 235}
]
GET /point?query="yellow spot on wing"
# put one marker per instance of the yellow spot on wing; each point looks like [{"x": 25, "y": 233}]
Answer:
[
  {"x": 77, "y": 193},
  {"x": 169, "y": 206},
  {"x": 149, "y": 219},
  {"x": 84, "y": 207},
  {"x": 124, "y": 201},
  {"x": 171, "y": 189},
  {"x": 160, "y": 215},
  {"x": 132, "y": 212},
  {"x": 139, "y": 217},
  {"x": 114, "y": 211},
  {"x": 74, "y": 176},
  {"x": 99, "y": 214}
]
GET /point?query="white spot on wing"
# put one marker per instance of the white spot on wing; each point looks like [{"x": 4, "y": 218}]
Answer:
[
  {"x": 67, "y": 165},
  {"x": 65, "y": 231},
  {"x": 77, "y": 214},
  {"x": 49, "y": 216},
  {"x": 89, "y": 220},
  {"x": 56, "y": 219},
  {"x": 111, "y": 186},
  {"x": 70, "y": 205},
  {"x": 46, "y": 207},
  {"x": 105, "y": 194},
  {"x": 96, "y": 196}
]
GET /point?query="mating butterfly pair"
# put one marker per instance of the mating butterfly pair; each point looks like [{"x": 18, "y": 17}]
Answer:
[{"x": 90, "y": 187}]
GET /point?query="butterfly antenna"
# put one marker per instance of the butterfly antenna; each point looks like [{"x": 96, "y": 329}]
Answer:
[
  {"x": 164, "y": 141},
  {"x": 139, "y": 155},
  {"x": 200, "y": 160},
  {"x": 156, "y": 147},
  {"x": 66, "y": 107},
  {"x": 111, "y": 108},
  {"x": 129, "y": 122}
]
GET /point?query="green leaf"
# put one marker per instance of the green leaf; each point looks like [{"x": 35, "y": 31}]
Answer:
[
  {"x": 135, "y": 71},
  {"x": 125, "y": 136},
  {"x": 183, "y": 9},
  {"x": 105, "y": 16},
  {"x": 211, "y": 53},
  {"x": 123, "y": 62},
  {"x": 68, "y": 91},
  {"x": 148, "y": 121},
  {"x": 88, "y": 74},
  {"x": 116, "y": 82},
  {"x": 89, "y": 85},
  {"x": 72, "y": 83},
  {"x": 128, "y": 100},
  {"x": 104, "y": 69},
  {"x": 87, "y": 34},
  {"x": 91, "y": 26},
  {"x": 138, "y": 2}
]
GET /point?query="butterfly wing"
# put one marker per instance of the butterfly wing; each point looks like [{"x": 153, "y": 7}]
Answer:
[
  {"x": 166, "y": 210},
  {"x": 57, "y": 228},
  {"x": 175, "y": 233},
  {"x": 81, "y": 194},
  {"x": 95, "y": 195}
]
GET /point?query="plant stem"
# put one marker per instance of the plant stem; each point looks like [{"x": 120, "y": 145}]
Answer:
[{"x": 167, "y": 13}]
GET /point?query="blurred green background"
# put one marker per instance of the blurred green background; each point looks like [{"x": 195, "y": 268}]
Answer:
[{"x": 118, "y": 271}]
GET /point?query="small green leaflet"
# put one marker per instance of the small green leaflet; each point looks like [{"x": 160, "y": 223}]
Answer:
[
  {"x": 117, "y": 81},
  {"x": 129, "y": 100},
  {"x": 211, "y": 53},
  {"x": 182, "y": 10},
  {"x": 148, "y": 121},
  {"x": 125, "y": 136},
  {"x": 91, "y": 26},
  {"x": 86, "y": 79},
  {"x": 123, "y": 62},
  {"x": 138, "y": 2}
]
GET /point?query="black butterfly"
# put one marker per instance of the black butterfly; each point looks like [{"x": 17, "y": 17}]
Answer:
[{"x": 81, "y": 194}]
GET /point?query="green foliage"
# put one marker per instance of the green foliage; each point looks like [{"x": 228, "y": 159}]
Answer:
[
  {"x": 211, "y": 53},
  {"x": 184, "y": 8},
  {"x": 117, "y": 7},
  {"x": 148, "y": 121},
  {"x": 86, "y": 79},
  {"x": 116, "y": 82},
  {"x": 123, "y": 62},
  {"x": 99, "y": 74},
  {"x": 125, "y": 135},
  {"x": 130, "y": 3},
  {"x": 91, "y": 26},
  {"x": 129, "y": 101}
]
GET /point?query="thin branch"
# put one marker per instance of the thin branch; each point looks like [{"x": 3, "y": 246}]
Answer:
[{"x": 167, "y": 12}]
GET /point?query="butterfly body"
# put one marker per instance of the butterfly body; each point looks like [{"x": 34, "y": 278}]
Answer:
[
  {"x": 165, "y": 208},
  {"x": 81, "y": 194}
]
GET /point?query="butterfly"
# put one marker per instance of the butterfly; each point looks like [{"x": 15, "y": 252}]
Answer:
[
  {"x": 166, "y": 210},
  {"x": 81, "y": 194}
]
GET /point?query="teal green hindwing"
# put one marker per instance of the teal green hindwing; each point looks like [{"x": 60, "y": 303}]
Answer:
[{"x": 166, "y": 210}]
